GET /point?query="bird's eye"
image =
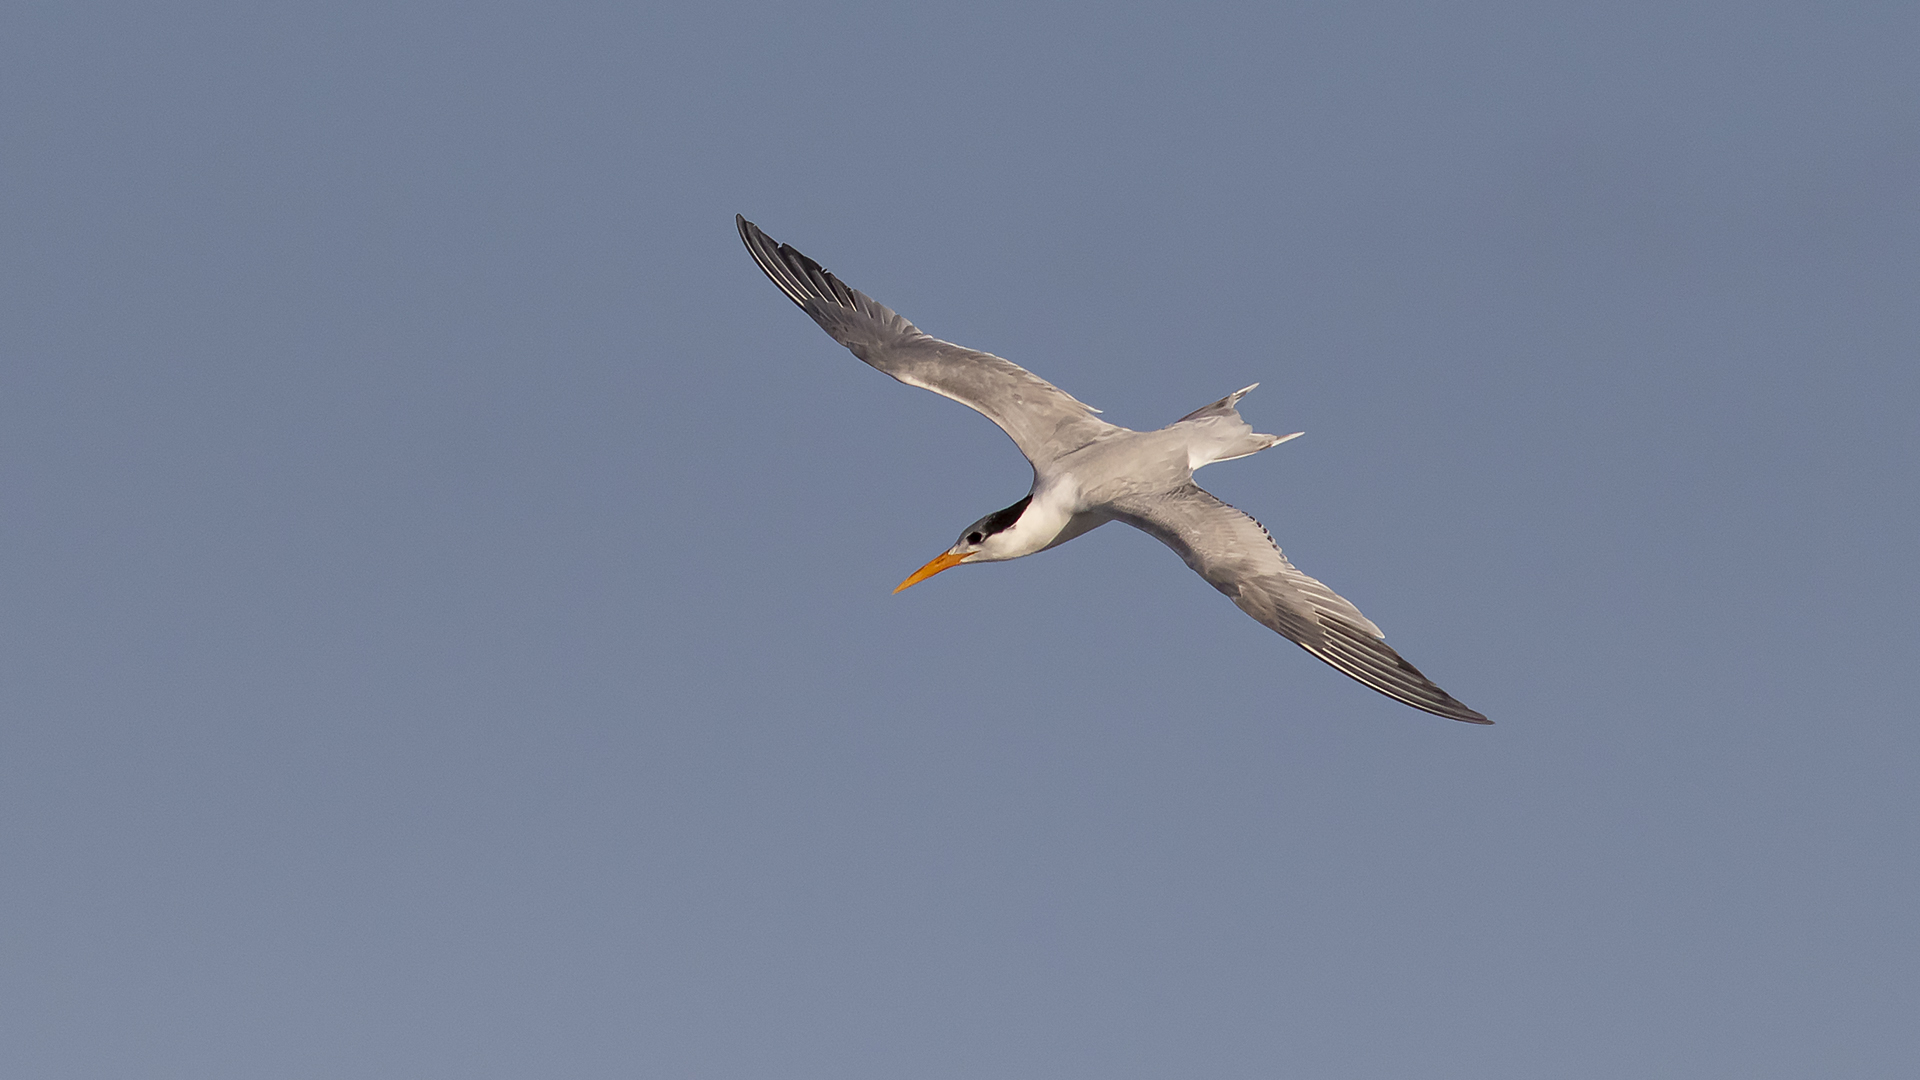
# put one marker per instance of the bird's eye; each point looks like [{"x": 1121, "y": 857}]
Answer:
[{"x": 974, "y": 538}]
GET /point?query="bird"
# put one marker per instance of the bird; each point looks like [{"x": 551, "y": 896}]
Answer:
[{"x": 1088, "y": 472}]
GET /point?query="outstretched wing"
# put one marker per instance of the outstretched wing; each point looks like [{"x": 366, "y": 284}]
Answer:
[
  {"x": 1237, "y": 556},
  {"x": 1044, "y": 421}
]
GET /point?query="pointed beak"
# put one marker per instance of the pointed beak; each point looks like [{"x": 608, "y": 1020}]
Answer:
[{"x": 946, "y": 560}]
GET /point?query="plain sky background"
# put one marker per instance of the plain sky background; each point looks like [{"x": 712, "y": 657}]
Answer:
[{"x": 444, "y": 587}]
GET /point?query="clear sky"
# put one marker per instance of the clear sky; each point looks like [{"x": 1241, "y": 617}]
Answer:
[{"x": 445, "y": 616}]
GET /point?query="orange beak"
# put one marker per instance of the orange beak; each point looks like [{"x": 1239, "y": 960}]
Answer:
[{"x": 946, "y": 560}]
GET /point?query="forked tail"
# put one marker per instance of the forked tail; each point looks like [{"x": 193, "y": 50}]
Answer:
[{"x": 1217, "y": 433}]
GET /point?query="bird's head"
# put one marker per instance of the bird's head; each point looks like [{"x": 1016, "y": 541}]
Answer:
[{"x": 990, "y": 539}]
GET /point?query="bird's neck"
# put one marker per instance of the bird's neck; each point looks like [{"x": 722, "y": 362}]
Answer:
[{"x": 1044, "y": 523}]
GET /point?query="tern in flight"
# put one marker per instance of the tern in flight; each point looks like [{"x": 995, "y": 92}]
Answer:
[{"x": 1087, "y": 472}]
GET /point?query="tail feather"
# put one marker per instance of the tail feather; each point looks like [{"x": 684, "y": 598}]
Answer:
[
  {"x": 1223, "y": 407},
  {"x": 1218, "y": 433}
]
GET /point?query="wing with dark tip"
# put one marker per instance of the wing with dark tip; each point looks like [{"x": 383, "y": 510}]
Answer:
[
  {"x": 1044, "y": 421},
  {"x": 1237, "y": 556}
]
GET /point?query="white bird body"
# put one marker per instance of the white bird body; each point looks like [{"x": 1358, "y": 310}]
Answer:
[
  {"x": 1087, "y": 472},
  {"x": 1075, "y": 493}
]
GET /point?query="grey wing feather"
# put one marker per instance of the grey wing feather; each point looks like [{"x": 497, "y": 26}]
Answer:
[
  {"x": 1044, "y": 421},
  {"x": 1238, "y": 557}
]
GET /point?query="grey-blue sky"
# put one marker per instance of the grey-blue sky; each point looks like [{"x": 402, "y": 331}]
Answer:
[{"x": 447, "y": 626}]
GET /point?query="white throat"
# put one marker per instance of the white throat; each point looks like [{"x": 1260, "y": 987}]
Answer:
[{"x": 1049, "y": 519}]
